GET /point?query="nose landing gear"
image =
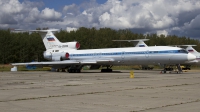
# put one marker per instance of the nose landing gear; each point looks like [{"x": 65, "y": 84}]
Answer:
[{"x": 172, "y": 68}]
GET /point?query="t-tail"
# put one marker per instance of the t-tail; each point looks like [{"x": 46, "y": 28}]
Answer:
[
  {"x": 137, "y": 42},
  {"x": 51, "y": 42},
  {"x": 140, "y": 43},
  {"x": 48, "y": 38}
]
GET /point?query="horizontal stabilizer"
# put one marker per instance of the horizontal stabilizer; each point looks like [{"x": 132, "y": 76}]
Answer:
[
  {"x": 188, "y": 45},
  {"x": 45, "y": 31},
  {"x": 137, "y": 42},
  {"x": 183, "y": 45}
]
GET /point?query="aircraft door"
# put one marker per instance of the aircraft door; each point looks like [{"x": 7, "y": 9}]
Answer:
[
  {"x": 97, "y": 55},
  {"x": 147, "y": 54},
  {"x": 146, "y": 58},
  {"x": 94, "y": 55},
  {"x": 71, "y": 56},
  {"x": 123, "y": 55}
]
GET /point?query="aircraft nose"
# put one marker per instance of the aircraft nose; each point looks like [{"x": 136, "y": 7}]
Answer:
[{"x": 191, "y": 57}]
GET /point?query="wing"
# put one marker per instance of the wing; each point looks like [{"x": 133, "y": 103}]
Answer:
[{"x": 68, "y": 62}]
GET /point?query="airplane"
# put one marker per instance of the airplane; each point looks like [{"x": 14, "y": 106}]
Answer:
[
  {"x": 69, "y": 57},
  {"x": 190, "y": 49}
]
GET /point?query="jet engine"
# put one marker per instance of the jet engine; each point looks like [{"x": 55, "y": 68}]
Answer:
[
  {"x": 56, "y": 56},
  {"x": 72, "y": 45}
]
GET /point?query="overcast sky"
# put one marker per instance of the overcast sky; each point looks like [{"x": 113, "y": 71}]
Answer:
[{"x": 179, "y": 17}]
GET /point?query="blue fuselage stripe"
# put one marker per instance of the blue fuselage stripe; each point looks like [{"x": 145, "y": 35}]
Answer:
[{"x": 129, "y": 53}]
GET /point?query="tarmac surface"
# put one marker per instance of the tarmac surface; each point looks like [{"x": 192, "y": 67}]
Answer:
[{"x": 92, "y": 91}]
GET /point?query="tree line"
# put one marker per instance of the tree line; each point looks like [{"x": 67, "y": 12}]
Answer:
[{"x": 25, "y": 47}]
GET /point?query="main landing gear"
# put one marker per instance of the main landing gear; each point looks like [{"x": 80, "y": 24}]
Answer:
[
  {"x": 70, "y": 69},
  {"x": 74, "y": 69},
  {"x": 108, "y": 69},
  {"x": 62, "y": 70}
]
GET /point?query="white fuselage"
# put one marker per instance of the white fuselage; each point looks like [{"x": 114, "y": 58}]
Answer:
[{"x": 133, "y": 55}]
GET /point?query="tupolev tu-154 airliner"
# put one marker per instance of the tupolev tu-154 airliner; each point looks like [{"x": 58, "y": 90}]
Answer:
[{"x": 68, "y": 56}]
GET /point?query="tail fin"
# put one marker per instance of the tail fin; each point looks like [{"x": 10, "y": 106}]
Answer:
[
  {"x": 140, "y": 43},
  {"x": 49, "y": 39},
  {"x": 137, "y": 43},
  {"x": 190, "y": 49}
]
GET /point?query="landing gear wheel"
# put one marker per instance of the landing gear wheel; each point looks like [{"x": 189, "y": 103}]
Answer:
[
  {"x": 63, "y": 70},
  {"x": 106, "y": 70},
  {"x": 77, "y": 70},
  {"x": 74, "y": 70},
  {"x": 57, "y": 70}
]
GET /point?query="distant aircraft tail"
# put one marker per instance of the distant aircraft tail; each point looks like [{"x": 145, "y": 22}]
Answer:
[
  {"x": 140, "y": 43},
  {"x": 137, "y": 42},
  {"x": 190, "y": 49}
]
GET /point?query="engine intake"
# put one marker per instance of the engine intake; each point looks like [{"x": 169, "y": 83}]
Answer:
[{"x": 56, "y": 56}]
